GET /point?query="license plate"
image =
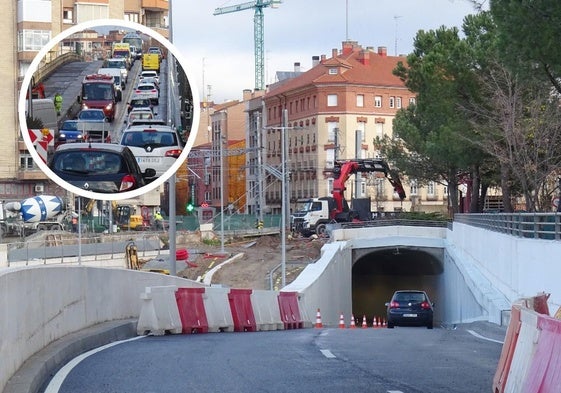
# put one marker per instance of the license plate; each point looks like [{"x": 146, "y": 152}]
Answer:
[
  {"x": 148, "y": 160},
  {"x": 410, "y": 315}
]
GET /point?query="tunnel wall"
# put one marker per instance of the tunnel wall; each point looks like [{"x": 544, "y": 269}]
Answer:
[{"x": 326, "y": 284}]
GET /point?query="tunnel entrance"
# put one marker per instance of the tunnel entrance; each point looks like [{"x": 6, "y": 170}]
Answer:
[{"x": 378, "y": 273}]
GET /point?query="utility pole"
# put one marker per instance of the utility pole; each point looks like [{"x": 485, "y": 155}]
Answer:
[
  {"x": 260, "y": 174},
  {"x": 285, "y": 197}
]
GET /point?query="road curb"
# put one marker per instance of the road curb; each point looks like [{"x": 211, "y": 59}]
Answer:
[{"x": 37, "y": 371}]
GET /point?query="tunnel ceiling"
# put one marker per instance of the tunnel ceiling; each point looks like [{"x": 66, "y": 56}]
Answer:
[{"x": 400, "y": 261}]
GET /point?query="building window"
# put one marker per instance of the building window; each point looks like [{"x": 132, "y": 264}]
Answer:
[
  {"x": 331, "y": 131},
  {"x": 414, "y": 188},
  {"x": 412, "y": 101},
  {"x": 333, "y": 71},
  {"x": 398, "y": 102},
  {"x": 380, "y": 187},
  {"x": 332, "y": 100},
  {"x": 430, "y": 188},
  {"x": 392, "y": 102},
  {"x": 33, "y": 40},
  {"x": 132, "y": 17},
  {"x": 379, "y": 130},
  {"x": 86, "y": 12},
  {"x": 67, "y": 15},
  {"x": 360, "y": 100},
  {"x": 378, "y": 101},
  {"x": 330, "y": 160},
  {"x": 360, "y": 128},
  {"x": 329, "y": 185},
  {"x": 26, "y": 162}
]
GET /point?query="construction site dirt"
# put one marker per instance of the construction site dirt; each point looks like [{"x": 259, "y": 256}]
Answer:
[{"x": 253, "y": 263}]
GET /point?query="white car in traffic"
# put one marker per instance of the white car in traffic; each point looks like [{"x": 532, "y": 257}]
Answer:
[{"x": 154, "y": 146}]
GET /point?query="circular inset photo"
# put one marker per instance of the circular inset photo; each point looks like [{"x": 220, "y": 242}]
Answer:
[{"x": 122, "y": 117}]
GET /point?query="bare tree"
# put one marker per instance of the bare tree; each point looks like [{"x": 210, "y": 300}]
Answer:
[{"x": 519, "y": 123}]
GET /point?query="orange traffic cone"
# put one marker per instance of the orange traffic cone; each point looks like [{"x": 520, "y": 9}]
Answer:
[
  {"x": 319, "y": 324},
  {"x": 342, "y": 322},
  {"x": 374, "y": 322},
  {"x": 353, "y": 326},
  {"x": 364, "y": 324},
  {"x": 384, "y": 324}
]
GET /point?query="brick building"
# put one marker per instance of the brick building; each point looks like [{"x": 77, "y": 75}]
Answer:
[
  {"x": 30, "y": 25},
  {"x": 335, "y": 110}
]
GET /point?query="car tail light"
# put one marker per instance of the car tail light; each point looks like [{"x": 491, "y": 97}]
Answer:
[
  {"x": 127, "y": 183},
  {"x": 175, "y": 153},
  {"x": 425, "y": 305},
  {"x": 394, "y": 304}
]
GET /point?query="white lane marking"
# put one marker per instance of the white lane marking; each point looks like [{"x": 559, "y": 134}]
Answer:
[
  {"x": 394, "y": 391},
  {"x": 60, "y": 376},
  {"x": 483, "y": 337},
  {"x": 326, "y": 352}
]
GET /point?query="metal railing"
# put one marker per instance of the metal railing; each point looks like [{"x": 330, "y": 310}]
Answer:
[
  {"x": 67, "y": 249},
  {"x": 527, "y": 225}
]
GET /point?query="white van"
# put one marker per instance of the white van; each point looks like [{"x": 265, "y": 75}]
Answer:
[
  {"x": 44, "y": 110},
  {"x": 119, "y": 82},
  {"x": 119, "y": 63}
]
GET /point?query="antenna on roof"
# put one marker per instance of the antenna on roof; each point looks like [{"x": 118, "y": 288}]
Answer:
[
  {"x": 396, "y": 17},
  {"x": 346, "y": 20}
]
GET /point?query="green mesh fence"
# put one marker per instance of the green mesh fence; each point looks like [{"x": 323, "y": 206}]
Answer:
[{"x": 234, "y": 222}]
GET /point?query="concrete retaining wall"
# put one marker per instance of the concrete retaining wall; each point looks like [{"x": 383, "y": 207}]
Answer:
[{"x": 42, "y": 304}]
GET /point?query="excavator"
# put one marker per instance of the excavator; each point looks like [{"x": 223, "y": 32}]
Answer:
[
  {"x": 124, "y": 216},
  {"x": 316, "y": 213}
]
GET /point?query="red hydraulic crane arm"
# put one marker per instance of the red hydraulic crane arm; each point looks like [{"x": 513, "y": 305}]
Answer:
[{"x": 345, "y": 169}]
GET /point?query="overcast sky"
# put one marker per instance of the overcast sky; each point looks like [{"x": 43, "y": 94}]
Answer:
[{"x": 220, "y": 49}]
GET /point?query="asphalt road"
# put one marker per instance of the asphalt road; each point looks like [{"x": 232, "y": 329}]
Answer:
[{"x": 460, "y": 359}]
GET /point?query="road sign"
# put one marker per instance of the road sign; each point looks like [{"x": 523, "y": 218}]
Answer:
[{"x": 555, "y": 202}]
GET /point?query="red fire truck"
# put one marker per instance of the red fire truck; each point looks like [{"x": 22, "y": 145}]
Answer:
[{"x": 98, "y": 92}]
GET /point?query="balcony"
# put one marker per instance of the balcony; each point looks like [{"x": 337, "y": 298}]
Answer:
[{"x": 155, "y": 5}]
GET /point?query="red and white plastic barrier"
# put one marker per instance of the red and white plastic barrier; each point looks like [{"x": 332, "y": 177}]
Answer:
[
  {"x": 200, "y": 310},
  {"x": 531, "y": 357}
]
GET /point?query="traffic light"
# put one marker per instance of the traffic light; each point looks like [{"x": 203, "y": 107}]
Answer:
[{"x": 190, "y": 207}]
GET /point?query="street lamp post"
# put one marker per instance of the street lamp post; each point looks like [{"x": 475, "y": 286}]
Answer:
[{"x": 221, "y": 141}]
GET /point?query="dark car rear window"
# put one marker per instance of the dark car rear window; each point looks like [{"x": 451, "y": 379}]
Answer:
[
  {"x": 410, "y": 297},
  {"x": 88, "y": 162},
  {"x": 143, "y": 138}
]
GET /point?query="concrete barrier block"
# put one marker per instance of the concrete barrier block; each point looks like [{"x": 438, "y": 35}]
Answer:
[
  {"x": 159, "y": 313},
  {"x": 217, "y": 306},
  {"x": 266, "y": 310}
]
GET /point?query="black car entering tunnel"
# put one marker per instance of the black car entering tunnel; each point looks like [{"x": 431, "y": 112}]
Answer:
[{"x": 410, "y": 308}]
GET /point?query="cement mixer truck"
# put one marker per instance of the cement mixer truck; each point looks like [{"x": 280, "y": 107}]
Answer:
[{"x": 43, "y": 212}]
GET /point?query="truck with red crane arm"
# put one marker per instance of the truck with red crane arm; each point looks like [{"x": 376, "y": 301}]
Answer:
[{"x": 316, "y": 213}]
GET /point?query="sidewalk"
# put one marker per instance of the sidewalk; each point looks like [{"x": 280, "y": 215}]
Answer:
[{"x": 67, "y": 80}]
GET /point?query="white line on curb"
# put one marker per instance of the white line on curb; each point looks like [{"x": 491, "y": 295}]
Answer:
[
  {"x": 483, "y": 337},
  {"x": 60, "y": 376}
]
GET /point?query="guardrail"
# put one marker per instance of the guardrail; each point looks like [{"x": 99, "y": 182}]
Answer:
[
  {"x": 528, "y": 225},
  {"x": 385, "y": 222},
  {"x": 66, "y": 250},
  {"x": 45, "y": 68}
]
